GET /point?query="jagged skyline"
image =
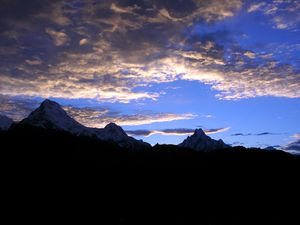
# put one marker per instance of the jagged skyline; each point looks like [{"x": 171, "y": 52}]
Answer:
[
  {"x": 50, "y": 116},
  {"x": 162, "y": 67}
]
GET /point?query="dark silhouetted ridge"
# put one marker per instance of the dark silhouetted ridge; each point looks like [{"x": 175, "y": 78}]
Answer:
[{"x": 199, "y": 141}]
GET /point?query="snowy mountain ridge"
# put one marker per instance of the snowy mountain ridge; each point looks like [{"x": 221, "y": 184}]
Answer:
[
  {"x": 199, "y": 141},
  {"x": 50, "y": 115}
]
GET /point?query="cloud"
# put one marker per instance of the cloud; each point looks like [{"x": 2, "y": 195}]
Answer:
[
  {"x": 61, "y": 86},
  {"x": 265, "y": 133},
  {"x": 237, "y": 143},
  {"x": 60, "y": 38},
  {"x": 87, "y": 116},
  {"x": 207, "y": 116},
  {"x": 147, "y": 119},
  {"x": 99, "y": 117},
  {"x": 249, "y": 79},
  {"x": 147, "y": 133},
  {"x": 255, "y": 7},
  {"x": 295, "y": 146},
  {"x": 249, "y": 54},
  {"x": 17, "y": 108},
  {"x": 108, "y": 50},
  {"x": 83, "y": 41},
  {"x": 214, "y": 131},
  {"x": 175, "y": 131},
  {"x": 283, "y": 14},
  {"x": 56, "y": 13},
  {"x": 33, "y": 62},
  {"x": 296, "y": 136},
  {"x": 124, "y": 46},
  {"x": 254, "y": 134}
]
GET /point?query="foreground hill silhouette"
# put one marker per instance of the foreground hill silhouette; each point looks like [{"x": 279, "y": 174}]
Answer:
[
  {"x": 49, "y": 133},
  {"x": 111, "y": 183},
  {"x": 28, "y": 142},
  {"x": 228, "y": 186}
]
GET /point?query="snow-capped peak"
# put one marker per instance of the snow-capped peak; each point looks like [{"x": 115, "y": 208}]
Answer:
[
  {"x": 52, "y": 110},
  {"x": 5, "y": 122},
  {"x": 111, "y": 132},
  {"x": 51, "y": 115},
  {"x": 115, "y": 133},
  {"x": 199, "y": 132},
  {"x": 114, "y": 129},
  {"x": 48, "y": 104},
  {"x": 199, "y": 141}
]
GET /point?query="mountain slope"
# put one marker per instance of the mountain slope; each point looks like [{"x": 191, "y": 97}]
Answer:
[
  {"x": 50, "y": 115},
  {"x": 113, "y": 132},
  {"x": 199, "y": 141},
  {"x": 5, "y": 122}
]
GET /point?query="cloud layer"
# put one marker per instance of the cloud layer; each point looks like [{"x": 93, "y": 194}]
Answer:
[
  {"x": 175, "y": 131},
  {"x": 95, "y": 117},
  {"x": 284, "y": 14},
  {"x": 109, "y": 50},
  {"x": 254, "y": 134},
  {"x": 294, "y": 146},
  {"x": 16, "y": 108}
]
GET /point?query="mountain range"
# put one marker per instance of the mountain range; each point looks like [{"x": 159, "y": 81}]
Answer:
[
  {"x": 50, "y": 115},
  {"x": 49, "y": 133}
]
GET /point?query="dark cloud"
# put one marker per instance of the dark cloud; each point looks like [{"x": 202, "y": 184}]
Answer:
[
  {"x": 138, "y": 132},
  {"x": 49, "y": 47},
  {"x": 174, "y": 131},
  {"x": 179, "y": 130},
  {"x": 17, "y": 108},
  {"x": 293, "y": 146},
  {"x": 80, "y": 49},
  {"x": 18, "y": 10},
  {"x": 237, "y": 143},
  {"x": 178, "y": 8},
  {"x": 254, "y": 134},
  {"x": 265, "y": 133},
  {"x": 239, "y": 134}
]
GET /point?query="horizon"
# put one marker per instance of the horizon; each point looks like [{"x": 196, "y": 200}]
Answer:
[
  {"x": 159, "y": 69},
  {"x": 128, "y": 132},
  {"x": 187, "y": 132}
]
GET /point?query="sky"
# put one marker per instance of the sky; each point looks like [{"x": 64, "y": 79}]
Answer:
[{"x": 158, "y": 68}]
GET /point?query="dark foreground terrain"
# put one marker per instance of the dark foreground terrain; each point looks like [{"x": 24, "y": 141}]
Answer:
[
  {"x": 38, "y": 144},
  {"x": 58, "y": 177}
]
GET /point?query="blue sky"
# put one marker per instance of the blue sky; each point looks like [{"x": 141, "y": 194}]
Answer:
[{"x": 160, "y": 69}]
